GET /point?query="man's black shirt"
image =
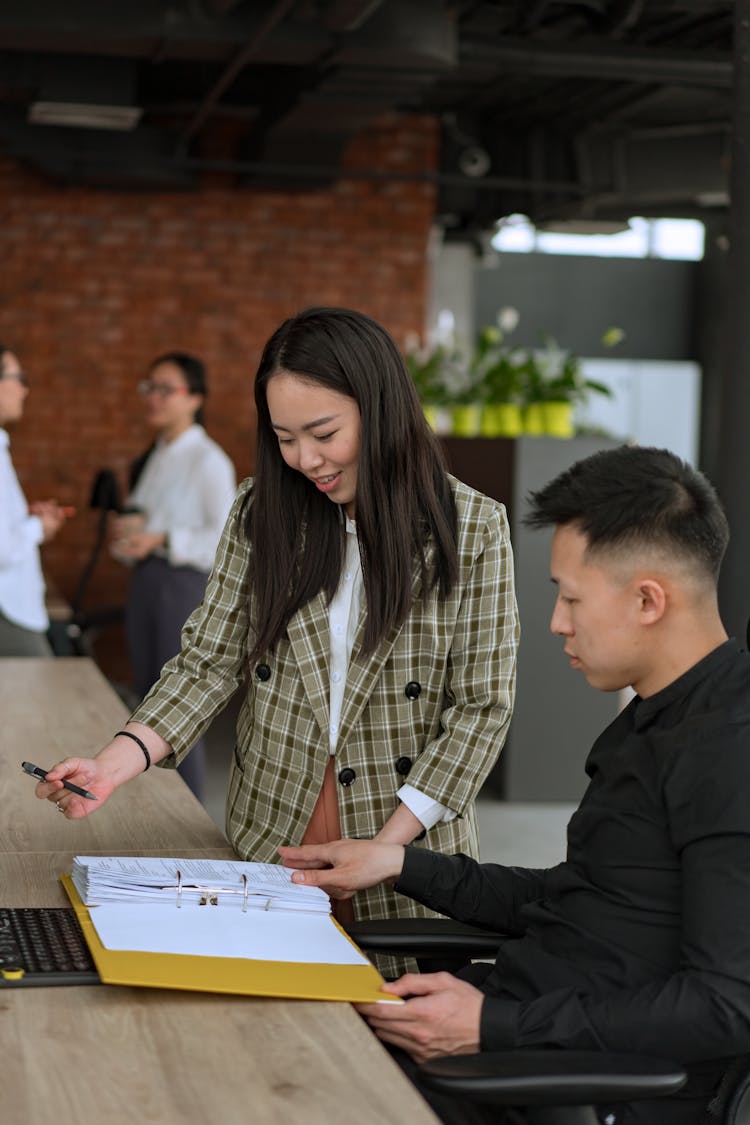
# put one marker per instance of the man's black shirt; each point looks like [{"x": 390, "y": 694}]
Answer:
[{"x": 640, "y": 940}]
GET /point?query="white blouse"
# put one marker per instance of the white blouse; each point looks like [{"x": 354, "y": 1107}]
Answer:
[
  {"x": 21, "y": 581},
  {"x": 186, "y": 490},
  {"x": 343, "y": 618}
]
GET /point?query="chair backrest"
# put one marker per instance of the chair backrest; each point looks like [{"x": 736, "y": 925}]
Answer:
[{"x": 731, "y": 1102}]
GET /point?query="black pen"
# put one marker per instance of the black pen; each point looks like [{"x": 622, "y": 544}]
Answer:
[{"x": 37, "y": 771}]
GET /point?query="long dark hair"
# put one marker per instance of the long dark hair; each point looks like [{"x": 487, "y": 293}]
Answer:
[{"x": 403, "y": 501}]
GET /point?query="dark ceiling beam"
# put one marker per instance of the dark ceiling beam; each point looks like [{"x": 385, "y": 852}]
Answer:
[
  {"x": 344, "y": 16},
  {"x": 602, "y": 59},
  {"x": 220, "y": 7},
  {"x": 280, "y": 9}
]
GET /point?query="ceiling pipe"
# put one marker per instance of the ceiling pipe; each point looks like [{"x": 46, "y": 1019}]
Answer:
[
  {"x": 604, "y": 60},
  {"x": 238, "y": 63}
]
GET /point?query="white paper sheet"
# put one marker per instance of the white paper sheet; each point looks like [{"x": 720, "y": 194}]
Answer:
[{"x": 224, "y": 931}]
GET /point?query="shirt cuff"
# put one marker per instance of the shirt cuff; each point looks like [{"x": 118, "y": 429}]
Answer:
[
  {"x": 498, "y": 1023},
  {"x": 37, "y": 529},
  {"x": 427, "y": 811}
]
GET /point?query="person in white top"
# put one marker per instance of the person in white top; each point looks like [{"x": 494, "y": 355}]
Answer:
[
  {"x": 181, "y": 491},
  {"x": 23, "y": 617}
]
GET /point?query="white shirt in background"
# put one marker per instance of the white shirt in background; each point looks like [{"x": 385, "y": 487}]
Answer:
[
  {"x": 343, "y": 618},
  {"x": 186, "y": 490},
  {"x": 21, "y": 580}
]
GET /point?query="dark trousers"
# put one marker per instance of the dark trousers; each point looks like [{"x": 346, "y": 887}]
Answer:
[{"x": 160, "y": 599}]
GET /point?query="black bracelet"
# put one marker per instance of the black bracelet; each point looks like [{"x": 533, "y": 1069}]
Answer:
[{"x": 140, "y": 742}]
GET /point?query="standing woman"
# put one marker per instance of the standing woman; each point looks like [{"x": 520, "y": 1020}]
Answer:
[
  {"x": 182, "y": 490},
  {"x": 367, "y": 597}
]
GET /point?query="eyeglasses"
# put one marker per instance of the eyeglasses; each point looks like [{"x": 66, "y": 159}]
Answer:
[
  {"x": 163, "y": 390},
  {"x": 17, "y": 376}
]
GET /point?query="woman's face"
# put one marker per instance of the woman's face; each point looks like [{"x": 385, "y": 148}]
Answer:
[
  {"x": 319, "y": 434},
  {"x": 170, "y": 406}
]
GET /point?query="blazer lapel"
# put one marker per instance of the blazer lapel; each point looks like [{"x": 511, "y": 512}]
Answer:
[{"x": 308, "y": 633}]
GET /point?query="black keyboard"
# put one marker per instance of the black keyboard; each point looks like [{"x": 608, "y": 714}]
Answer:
[{"x": 43, "y": 945}]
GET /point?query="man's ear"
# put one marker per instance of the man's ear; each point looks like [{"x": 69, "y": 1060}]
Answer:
[{"x": 653, "y": 600}]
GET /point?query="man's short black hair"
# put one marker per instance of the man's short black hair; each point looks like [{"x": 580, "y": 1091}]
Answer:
[{"x": 637, "y": 497}]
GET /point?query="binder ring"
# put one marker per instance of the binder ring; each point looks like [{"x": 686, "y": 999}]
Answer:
[
  {"x": 244, "y": 894},
  {"x": 179, "y": 888}
]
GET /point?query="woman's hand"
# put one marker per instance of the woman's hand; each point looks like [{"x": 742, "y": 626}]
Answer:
[
  {"x": 141, "y": 544},
  {"x": 52, "y": 515},
  {"x": 87, "y": 773},
  {"x": 121, "y": 760}
]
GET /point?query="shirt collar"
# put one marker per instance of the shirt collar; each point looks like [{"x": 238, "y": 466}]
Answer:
[
  {"x": 646, "y": 709},
  {"x": 4, "y": 438},
  {"x": 187, "y": 437}
]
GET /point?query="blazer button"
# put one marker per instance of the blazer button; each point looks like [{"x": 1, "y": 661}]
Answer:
[
  {"x": 347, "y": 776},
  {"x": 403, "y": 765},
  {"x": 413, "y": 690},
  {"x": 263, "y": 672}
]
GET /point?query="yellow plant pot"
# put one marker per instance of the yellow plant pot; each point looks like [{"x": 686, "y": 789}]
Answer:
[
  {"x": 501, "y": 419},
  {"x": 558, "y": 419},
  {"x": 438, "y": 418},
  {"x": 533, "y": 419},
  {"x": 466, "y": 420}
]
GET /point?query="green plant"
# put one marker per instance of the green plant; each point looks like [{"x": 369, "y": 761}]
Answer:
[
  {"x": 496, "y": 371},
  {"x": 552, "y": 374}
]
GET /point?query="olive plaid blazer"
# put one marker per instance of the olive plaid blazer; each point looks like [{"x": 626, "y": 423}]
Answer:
[{"x": 461, "y": 651}]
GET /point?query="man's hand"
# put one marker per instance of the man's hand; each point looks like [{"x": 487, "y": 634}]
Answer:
[
  {"x": 344, "y": 866},
  {"x": 441, "y": 1016}
]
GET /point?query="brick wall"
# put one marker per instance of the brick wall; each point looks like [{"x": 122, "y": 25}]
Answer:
[{"x": 94, "y": 284}]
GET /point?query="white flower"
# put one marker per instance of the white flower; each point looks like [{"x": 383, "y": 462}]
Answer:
[{"x": 508, "y": 318}]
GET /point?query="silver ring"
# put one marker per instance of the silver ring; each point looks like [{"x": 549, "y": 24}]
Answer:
[{"x": 60, "y": 809}]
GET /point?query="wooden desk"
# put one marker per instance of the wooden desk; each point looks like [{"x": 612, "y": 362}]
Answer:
[{"x": 89, "y": 1054}]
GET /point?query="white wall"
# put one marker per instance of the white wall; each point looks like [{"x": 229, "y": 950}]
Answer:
[{"x": 655, "y": 402}]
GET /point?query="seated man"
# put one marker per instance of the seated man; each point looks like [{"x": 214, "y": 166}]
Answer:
[{"x": 640, "y": 940}]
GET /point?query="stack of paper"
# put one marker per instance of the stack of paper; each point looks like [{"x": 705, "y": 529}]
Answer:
[{"x": 149, "y": 879}]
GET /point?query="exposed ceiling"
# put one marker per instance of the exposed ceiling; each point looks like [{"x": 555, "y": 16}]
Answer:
[{"x": 560, "y": 109}]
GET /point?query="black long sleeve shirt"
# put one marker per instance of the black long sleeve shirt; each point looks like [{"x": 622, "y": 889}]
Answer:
[{"x": 640, "y": 940}]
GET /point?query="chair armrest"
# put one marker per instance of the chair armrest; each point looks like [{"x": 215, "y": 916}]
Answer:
[
  {"x": 425, "y": 937},
  {"x": 552, "y": 1077}
]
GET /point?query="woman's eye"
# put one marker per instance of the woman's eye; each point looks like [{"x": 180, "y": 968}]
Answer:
[
  {"x": 323, "y": 437},
  {"x": 285, "y": 441}
]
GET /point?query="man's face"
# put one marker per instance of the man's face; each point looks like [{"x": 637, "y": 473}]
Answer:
[
  {"x": 13, "y": 389},
  {"x": 597, "y": 611}
]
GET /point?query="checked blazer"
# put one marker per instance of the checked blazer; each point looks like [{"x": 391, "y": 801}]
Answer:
[{"x": 461, "y": 652}]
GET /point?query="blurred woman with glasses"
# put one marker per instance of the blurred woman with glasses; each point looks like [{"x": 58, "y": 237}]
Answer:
[{"x": 182, "y": 488}]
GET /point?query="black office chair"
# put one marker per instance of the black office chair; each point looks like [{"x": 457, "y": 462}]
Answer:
[{"x": 571, "y": 1081}]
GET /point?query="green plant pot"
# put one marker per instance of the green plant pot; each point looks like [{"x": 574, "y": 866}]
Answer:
[
  {"x": 533, "y": 419},
  {"x": 558, "y": 419},
  {"x": 501, "y": 419},
  {"x": 466, "y": 420}
]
